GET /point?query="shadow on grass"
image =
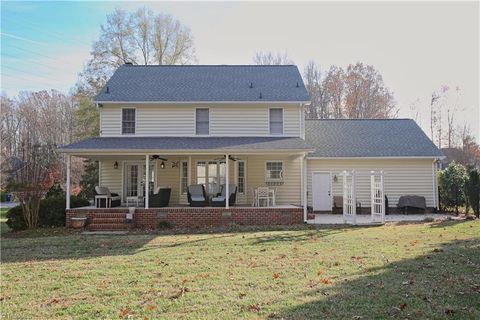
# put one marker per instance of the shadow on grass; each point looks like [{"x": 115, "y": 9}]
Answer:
[
  {"x": 61, "y": 243},
  {"x": 441, "y": 284}
]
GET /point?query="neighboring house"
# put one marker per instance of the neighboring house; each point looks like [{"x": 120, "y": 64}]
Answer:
[{"x": 180, "y": 123}]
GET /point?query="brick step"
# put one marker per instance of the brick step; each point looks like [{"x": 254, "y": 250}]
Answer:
[
  {"x": 102, "y": 220},
  {"x": 110, "y": 215},
  {"x": 108, "y": 226}
]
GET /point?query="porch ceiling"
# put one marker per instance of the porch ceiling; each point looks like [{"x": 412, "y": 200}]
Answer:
[{"x": 186, "y": 145}]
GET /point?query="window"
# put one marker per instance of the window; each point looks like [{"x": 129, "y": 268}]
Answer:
[
  {"x": 274, "y": 171},
  {"x": 211, "y": 174},
  {"x": 128, "y": 121},
  {"x": 241, "y": 176},
  {"x": 202, "y": 118},
  {"x": 201, "y": 172},
  {"x": 276, "y": 121},
  {"x": 184, "y": 177}
]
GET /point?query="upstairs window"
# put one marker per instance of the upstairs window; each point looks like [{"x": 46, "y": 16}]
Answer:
[
  {"x": 202, "y": 121},
  {"x": 276, "y": 121},
  {"x": 128, "y": 121}
]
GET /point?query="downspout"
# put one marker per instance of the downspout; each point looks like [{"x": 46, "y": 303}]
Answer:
[{"x": 304, "y": 187}]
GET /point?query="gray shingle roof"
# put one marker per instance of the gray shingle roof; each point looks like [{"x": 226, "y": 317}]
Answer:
[
  {"x": 204, "y": 83},
  {"x": 368, "y": 138},
  {"x": 188, "y": 143}
]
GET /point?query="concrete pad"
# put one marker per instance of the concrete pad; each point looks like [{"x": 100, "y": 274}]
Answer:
[{"x": 365, "y": 219}]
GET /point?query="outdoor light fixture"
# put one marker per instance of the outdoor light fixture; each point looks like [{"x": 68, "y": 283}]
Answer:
[
  {"x": 115, "y": 165},
  {"x": 335, "y": 178},
  {"x": 162, "y": 165}
]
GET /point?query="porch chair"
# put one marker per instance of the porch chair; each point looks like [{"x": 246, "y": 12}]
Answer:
[
  {"x": 160, "y": 197},
  {"x": 263, "y": 193},
  {"x": 219, "y": 199},
  {"x": 113, "y": 198},
  {"x": 196, "y": 195}
]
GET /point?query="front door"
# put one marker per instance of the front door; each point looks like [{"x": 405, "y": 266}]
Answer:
[
  {"x": 321, "y": 198},
  {"x": 135, "y": 179}
]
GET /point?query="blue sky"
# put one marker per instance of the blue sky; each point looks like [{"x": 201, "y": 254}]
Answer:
[{"x": 416, "y": 46}]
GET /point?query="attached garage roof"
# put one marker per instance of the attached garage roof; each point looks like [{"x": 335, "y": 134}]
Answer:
[
  {"x": 204, "y": 83},
  {"x": 368, "y": 138},
  {"x": 184, "y": 144}
]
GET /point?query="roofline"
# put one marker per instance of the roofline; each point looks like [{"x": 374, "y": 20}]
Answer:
[
  {"x": 199, "y": 102},
  {"x": 376, "y": 157},
  {"x": 86, "y": 152}
]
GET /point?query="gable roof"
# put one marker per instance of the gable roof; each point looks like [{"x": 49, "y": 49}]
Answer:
[
  {"x": 204, "y": 83},
  {"x": 368, "y": 138}
]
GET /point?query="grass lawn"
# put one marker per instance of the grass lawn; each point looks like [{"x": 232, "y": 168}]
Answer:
[{"x": 426, "y": 270}]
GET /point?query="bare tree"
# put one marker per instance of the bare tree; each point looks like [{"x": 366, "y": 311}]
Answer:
[
  {"x": 269, "y": 58},
  {"x": 334, "y": 86},
  {"x": 140, "y": 38},
  {"x": 366, "y": 96},
  {"x": 318, "y": 108}
]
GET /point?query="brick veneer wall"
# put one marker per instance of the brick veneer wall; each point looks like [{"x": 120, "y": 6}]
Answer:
[
  {"x": 200, "y": 217},
  {"x": 217, "y": 217}
]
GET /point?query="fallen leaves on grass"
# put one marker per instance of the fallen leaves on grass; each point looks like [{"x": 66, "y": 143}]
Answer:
[
  {"x": 320, "y": 272},
  {"x": 276, "y": 275},
  {"x": 325, "y": 281},
  {"x": 180, "y": 293},
  {"x": 437, "y": 250},
  {"x": 254, "y": 308},
  {"x": 124, "y": 312},
  {"x": 403, "y": 306},
  {"x": 151, "y": 308}
]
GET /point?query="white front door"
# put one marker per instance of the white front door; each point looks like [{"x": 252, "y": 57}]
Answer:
[{"x": 321, "y": 191}]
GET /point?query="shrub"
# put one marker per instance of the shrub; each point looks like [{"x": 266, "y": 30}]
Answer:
[
  {"x": 164, "y": 225},
  {"x": 51, "y": 214},
  {"x": 55, "y": 191},
  {"x": 15, "y": 220},
  {"x": 451, "y": 183},
  {"x": 3, "y": 196},
  {"x": 472, "y": 190}
]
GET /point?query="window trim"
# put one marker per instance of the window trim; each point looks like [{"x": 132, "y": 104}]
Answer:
[
  {"x": 283, "y": 122},
  {"x": 181, "y": 176},
  {"x": 195, "y": 122},
  {"x": 282, "y": 172},
  {"x": 244, "y": 176},
  {"x": 121, "y": 121}
]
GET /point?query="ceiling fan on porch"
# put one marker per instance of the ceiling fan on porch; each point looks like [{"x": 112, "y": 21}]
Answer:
[
  {"x": 157, "y": 157},
  {"x": 229, "y": 158}
]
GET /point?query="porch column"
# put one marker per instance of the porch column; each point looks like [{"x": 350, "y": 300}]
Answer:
[
  {"x": 67, "y": 188},
  {"x": 189, "y": 167},
  {"x": 304, "y": 187},
  {"x": 227, "y": 191},
  {"x": 147, "y": 179}
]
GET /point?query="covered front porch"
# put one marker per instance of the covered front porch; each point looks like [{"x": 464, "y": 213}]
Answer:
[{"x": 257, "y": 173}]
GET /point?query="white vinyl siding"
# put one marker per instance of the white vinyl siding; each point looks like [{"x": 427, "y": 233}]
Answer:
[
  {"x": 110, "y": 177},
  {"x": 276, "y": 121},
  {"x": 402, "y": 177},
  {"x": 179, "y": 120}
]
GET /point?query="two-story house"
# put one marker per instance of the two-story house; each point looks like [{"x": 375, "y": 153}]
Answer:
[{"x": 178, "y": 126}]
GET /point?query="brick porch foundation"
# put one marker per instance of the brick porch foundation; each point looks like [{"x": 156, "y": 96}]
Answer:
[{"x": 186, "y": 217}]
